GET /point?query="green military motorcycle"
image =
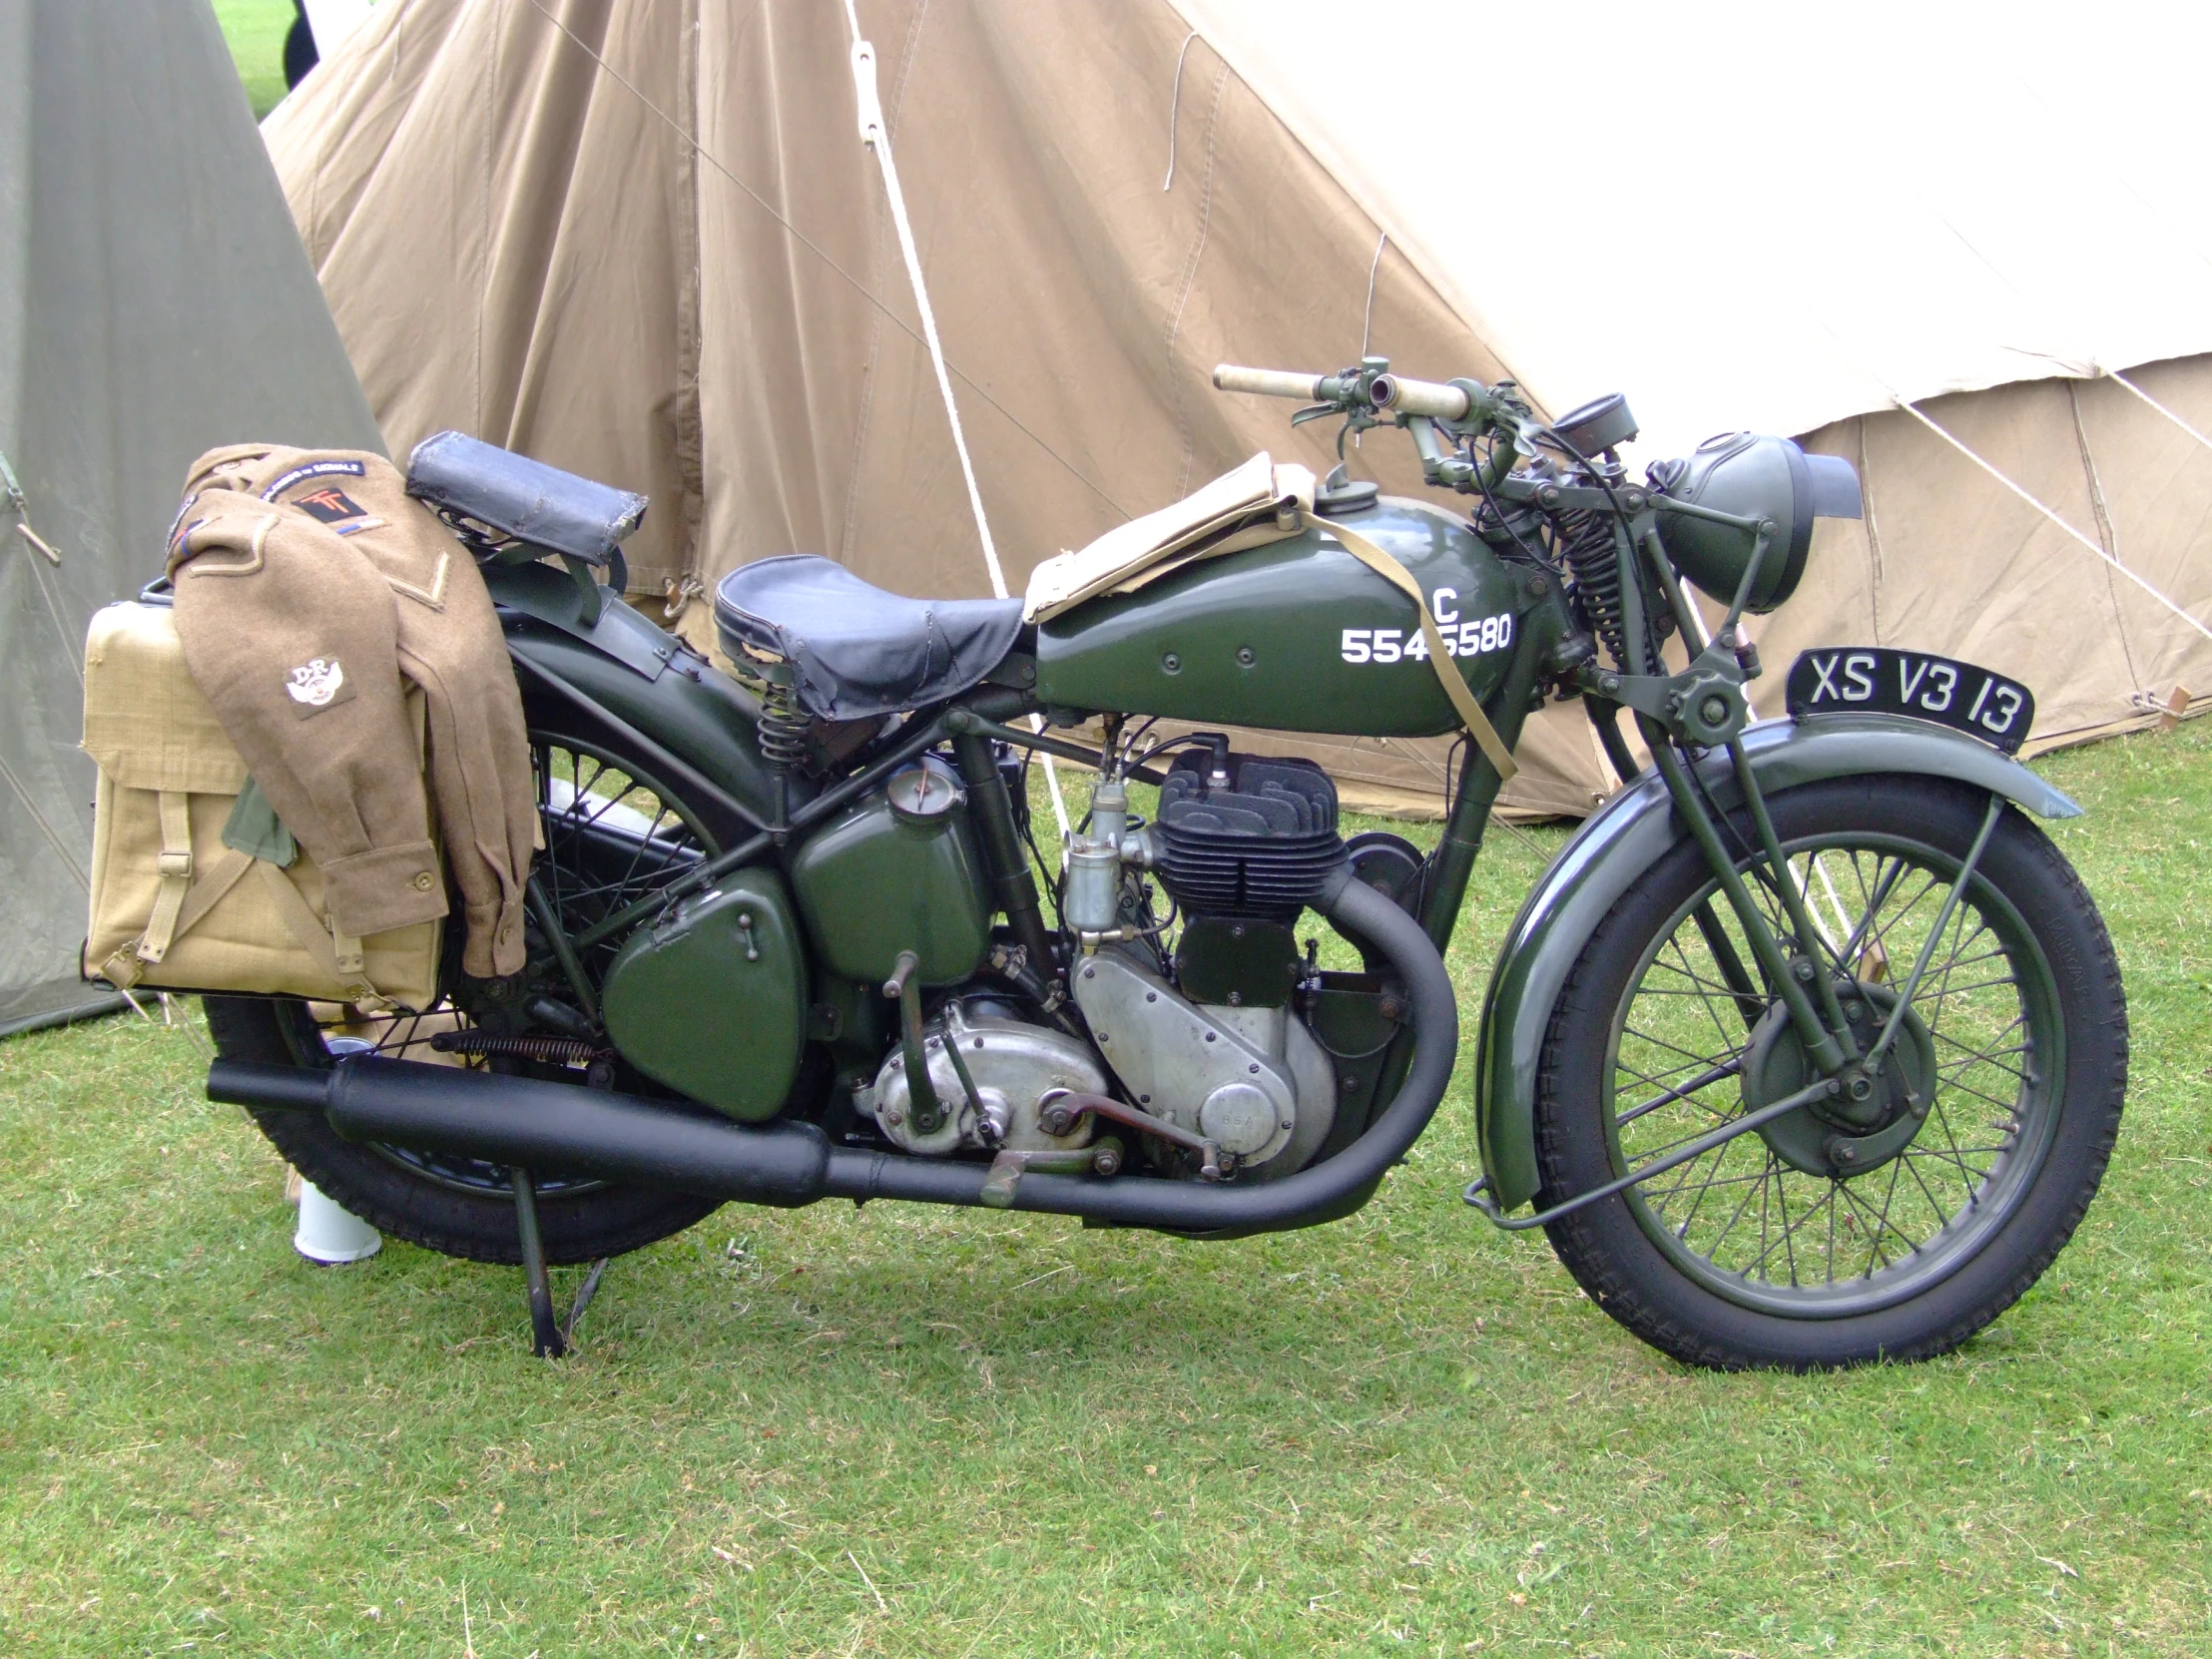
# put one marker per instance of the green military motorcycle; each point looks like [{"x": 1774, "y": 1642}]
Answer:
[{"x": 1808, "y": 1049}]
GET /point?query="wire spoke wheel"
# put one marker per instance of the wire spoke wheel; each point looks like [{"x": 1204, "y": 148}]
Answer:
[
  {"x": 1894, "y": 1224},
  {"x": 613, "y": 836},
  {"x": 1747, "y": 1218}
]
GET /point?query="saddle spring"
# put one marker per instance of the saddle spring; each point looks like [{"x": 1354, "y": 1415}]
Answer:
[{"x": 783, "y": 730}]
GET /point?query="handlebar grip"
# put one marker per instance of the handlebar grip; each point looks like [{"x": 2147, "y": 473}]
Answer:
[
  {"x": 1269, "y": 382},
  {"x": 1420, "y": 397}
]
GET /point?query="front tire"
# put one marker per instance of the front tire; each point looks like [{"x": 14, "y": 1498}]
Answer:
[{"x": 1760, "y": 1253}]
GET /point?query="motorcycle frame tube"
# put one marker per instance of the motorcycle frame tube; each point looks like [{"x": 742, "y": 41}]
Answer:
[
  {"x": 1629, "y": 836},
  {"x": 1451, "y": 865},
  {"x": 561, "y": 1127}
]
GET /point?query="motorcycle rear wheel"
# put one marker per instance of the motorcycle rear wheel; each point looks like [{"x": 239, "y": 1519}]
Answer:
[
  {"x": 1757, "y": 1254},
  {"x": 612, "y": 832}
]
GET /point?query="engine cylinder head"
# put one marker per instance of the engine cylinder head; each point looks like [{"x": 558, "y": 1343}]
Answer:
[{"x": 1246, "y": 834}]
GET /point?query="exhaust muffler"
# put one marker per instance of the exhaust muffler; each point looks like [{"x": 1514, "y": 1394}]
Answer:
[{"x": 548, "y": 1128}]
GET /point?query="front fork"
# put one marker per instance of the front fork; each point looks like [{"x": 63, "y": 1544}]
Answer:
[{"x": 1807, "y": 990}]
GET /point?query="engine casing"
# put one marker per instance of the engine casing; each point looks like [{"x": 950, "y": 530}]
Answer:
[{"x": 1012, "y": 1061}]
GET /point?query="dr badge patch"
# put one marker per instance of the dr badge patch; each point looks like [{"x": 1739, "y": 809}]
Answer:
[{"x": 317, "y": 684}]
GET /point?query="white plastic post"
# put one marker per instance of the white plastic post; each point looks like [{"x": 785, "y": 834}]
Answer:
[{"x": 329, "y": 1235}]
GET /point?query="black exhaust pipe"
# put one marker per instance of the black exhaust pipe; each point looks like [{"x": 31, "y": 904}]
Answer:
[
  {"x": 583, "y": 1132},
  {"x": 545, "y": 1127}
]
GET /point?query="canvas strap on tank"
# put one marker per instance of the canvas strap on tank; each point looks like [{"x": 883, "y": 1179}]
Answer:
[{"x": 1462, "y": 700}]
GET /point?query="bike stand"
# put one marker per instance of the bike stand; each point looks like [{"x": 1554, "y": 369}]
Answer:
[{"x": 549, "y": 1341}]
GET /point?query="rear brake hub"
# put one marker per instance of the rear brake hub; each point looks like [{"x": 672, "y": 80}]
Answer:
[{"x": 1875, "y": 1117}]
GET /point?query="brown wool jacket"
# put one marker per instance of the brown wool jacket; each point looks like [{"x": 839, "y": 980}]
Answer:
[{"x": 311, "y": 589}]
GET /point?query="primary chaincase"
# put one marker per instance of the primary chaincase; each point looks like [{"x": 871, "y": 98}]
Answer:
[{"x": 1011, "y": 1062}]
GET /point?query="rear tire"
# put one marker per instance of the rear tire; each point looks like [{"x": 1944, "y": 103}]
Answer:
[
  {"x": 612, "y": 835},
  {"x": 580, "y": 1222},
  {"x": 1748, "y": 1257}
]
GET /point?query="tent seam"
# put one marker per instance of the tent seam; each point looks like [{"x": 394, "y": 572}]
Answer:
[
  {"x": 1190, "y": 281},
  {"x": 2105, "y": 532}
]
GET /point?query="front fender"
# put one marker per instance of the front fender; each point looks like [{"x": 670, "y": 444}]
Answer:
[{"x": 1629, "y": 835}]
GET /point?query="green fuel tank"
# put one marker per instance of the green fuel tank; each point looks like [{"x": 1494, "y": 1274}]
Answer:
[{"x": 1299, "y": 636}]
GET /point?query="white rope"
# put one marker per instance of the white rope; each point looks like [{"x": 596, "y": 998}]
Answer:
[
  {"x": 2092, "y": 546},
  {"x": 876, "y": 136},
  {"x": 2115, "y": 374},
  {"x": 1367, "y": 328},
  {"x": 1175, "y": 102}
]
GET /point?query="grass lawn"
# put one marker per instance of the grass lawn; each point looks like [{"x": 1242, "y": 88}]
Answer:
[
  {"x": 906, "y": 1431},
  {"x": 256, "y": 31}
]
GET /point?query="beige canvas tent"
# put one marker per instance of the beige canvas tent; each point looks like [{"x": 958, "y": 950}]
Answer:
[{"x": 642, "y": 238}]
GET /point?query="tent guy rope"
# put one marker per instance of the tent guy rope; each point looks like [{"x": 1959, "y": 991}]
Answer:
[
  {"x": 2092, "y": 546},
  {"x": 2115, "y": 374},
  {"x": 875, "y": 135}
]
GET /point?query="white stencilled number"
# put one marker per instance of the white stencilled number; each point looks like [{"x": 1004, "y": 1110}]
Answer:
[
  {"x": 1938, "y": 696},
  {"x": 1468, "y": 637},
  {"x": 2008, "y": 706}
]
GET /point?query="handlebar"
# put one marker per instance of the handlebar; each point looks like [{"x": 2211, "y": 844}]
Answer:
[
  {"x": 1278, "y": 383},
  {"x": 1381, "y": 391},
  {"x": 1418, "y": 397}
]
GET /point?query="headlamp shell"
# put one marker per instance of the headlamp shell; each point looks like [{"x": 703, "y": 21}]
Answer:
[{"x": 1759, "y": 478}]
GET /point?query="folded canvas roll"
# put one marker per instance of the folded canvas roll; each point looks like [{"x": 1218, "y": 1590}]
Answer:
[{"x": 1257, "y": 503}]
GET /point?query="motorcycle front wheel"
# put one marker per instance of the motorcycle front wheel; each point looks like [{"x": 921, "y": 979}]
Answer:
[{"x": 1891, "y": 1229}]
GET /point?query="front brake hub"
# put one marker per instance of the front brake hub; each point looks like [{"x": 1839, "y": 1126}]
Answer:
[{"x": 1874, "y": 1118}]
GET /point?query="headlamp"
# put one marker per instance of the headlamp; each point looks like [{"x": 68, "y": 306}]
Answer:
[{"x": 1767, "y": 480}]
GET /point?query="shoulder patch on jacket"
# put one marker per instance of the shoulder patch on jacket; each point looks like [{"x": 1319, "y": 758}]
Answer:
[
  {"x": 331, "y": 504},
  {"x": 317, "y": 684},
  {"x": 313, "y": 469}
]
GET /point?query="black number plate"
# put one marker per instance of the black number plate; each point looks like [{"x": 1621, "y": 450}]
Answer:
[{"x": 1871, "y": 679}]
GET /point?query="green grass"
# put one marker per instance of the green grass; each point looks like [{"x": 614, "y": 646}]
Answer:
[
  {"x": 908, "y": 1431},
  {"x": 255, "y": 30}
]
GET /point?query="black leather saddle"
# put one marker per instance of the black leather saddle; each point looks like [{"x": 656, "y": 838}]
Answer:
[
  {"x": 552, "y": 510},
  {"x": 855, "y": 649}
]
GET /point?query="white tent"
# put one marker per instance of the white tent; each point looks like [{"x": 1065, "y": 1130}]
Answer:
[{"x": 643, "y": 239}]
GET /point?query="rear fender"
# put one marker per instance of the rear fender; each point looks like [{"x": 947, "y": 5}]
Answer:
[
  {"x": 1630, "y": 834},
  {"x": 625, "y": 682}
]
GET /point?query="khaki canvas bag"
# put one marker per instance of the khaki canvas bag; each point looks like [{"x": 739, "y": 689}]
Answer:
[{"x": 174, "y": 906}]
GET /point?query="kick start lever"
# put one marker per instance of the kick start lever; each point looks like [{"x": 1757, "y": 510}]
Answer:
[{"x": 1057, "y": 1110}]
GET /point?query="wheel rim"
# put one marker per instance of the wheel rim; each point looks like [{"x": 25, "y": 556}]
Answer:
[
  {"x": 1757, "y": 1226},
  {"x": 613, "y": 836}
]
